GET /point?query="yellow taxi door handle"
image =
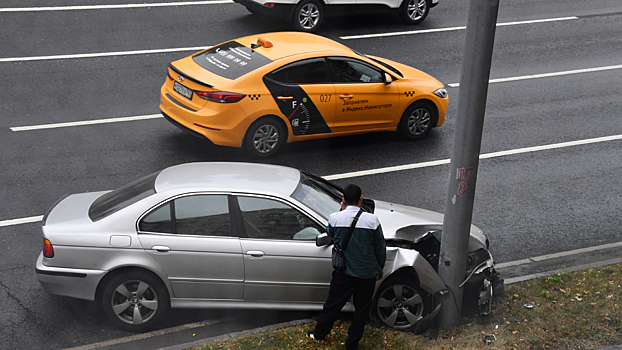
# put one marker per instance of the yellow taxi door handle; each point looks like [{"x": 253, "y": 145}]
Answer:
[
  {"x": 346, "y": 96},
  {"x": 284, "y": 97}
]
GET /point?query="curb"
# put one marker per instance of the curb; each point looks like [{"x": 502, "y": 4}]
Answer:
[{"x": 239, "y": 334}]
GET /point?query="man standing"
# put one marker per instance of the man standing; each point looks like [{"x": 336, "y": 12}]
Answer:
[{"x": 365, "y": 257}]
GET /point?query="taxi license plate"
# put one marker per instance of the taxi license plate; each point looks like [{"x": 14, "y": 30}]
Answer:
[{"x": 182, "y": 90}]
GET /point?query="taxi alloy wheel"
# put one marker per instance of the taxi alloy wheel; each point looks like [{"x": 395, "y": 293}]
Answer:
[
  {"x": 414, "y": 11},
  {"x": 417, "y": 121},
  {"x": 265, "y": 137},
  {"x": 308, "y": 16}
]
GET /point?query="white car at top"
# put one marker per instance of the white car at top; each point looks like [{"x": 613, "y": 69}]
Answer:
[{"x": 308, "y": 15}]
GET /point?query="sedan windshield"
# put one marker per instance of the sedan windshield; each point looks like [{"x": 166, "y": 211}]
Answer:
[{"x": 318, "y": 195}]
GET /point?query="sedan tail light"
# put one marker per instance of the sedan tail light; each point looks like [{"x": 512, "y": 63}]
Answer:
[
  {"x": 220, "y": 96},
  {"x": 48, "y": 249}
]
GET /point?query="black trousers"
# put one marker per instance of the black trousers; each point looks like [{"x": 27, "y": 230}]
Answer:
[{"x": 342, "y": 287}]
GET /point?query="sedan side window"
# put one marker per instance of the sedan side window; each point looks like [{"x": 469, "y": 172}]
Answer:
[
  {"x": 271, "y": 219},
  {"x": 311, "y": 71},
  {"x": 204, "y": 215},
  {"x": 351, "y": 71}
]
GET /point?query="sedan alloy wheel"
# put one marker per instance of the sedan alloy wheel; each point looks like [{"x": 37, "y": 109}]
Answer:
[{"x": 135, "y": 302}]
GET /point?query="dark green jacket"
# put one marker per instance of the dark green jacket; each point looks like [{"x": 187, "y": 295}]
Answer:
[{"x": 366, "y": 252}]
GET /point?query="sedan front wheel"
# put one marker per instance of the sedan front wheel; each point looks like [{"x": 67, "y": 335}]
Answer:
[
  {"x": 135, "y": 301},
  {"x": 400, "y": 304},
  {"x": 417, "y": 121}
]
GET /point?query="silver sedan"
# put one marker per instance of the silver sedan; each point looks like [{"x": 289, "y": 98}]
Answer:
[{"x": 236, "y": 235}]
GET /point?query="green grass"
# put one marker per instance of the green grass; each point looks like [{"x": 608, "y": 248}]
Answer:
[{"x": 577, "y": 310}]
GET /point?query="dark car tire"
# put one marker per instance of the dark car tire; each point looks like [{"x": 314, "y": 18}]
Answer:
[
  {"x": 135, "y": 301},
  {"x": 265, "y": 137},
  {"x": 417, "y": 121},
  {"x": 414, "y": 11},
  {"x": 400, "y": 303},
  {"x": 308, "y": 16}
]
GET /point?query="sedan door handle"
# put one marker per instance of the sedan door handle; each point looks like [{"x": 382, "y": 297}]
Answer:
[
  {"x": 255, "y": 253},
  {"x": 285, "y": 97},
  {"x": 346, "y": 96},
  {"x": 161, "y": 248}
]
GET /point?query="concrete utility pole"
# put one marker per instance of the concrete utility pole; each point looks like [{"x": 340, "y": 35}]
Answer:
[{"x": 480, "y": 36}]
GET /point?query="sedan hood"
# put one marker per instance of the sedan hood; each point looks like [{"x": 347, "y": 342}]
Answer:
[{"x": 401, "y": 222}]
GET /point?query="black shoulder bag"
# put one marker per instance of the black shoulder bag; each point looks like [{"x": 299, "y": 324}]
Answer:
[{"x": 339, "y": 259}]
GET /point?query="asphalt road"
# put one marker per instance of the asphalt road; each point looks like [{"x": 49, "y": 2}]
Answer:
[{"x": 529, "y": 203}]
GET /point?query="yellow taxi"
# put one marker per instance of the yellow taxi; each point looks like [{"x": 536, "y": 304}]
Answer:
[{"x": 262, "y": 91}]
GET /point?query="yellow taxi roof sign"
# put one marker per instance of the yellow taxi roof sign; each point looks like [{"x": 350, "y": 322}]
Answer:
[{"x": 265, "y": 43}]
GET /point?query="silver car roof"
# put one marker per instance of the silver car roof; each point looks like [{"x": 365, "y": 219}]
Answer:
[{"x": 261, "y": 178}]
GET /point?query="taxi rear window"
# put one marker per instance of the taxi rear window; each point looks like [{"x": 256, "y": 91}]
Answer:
[{"x": 230, "y": 60}]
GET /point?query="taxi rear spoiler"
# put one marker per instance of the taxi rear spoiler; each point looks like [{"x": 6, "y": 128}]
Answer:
[{"x": 170, "y": 65}]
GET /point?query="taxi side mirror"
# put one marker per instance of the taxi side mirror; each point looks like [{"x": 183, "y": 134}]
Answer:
[
  {"x": 323, "y": 239},
  {"x": 387, "y": 79}
]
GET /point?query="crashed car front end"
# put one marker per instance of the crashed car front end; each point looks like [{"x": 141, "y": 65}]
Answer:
[{"x": 417, "y": 244}]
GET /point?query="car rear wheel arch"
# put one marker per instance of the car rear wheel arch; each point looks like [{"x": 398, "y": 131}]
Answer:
[
  {"x": 410, "y": 125},
  {"x": 265, "y": 147},
  {"x": 120, "y": 270}
]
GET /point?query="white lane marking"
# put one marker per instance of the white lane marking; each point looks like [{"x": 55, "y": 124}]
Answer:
[
  {"x": 120, "y": 6},
  {"x": 408, "y": 166},
  {"x": 100, "y": 54},
  {"x": 21, "y": 221},
  {"x": 450, "y": 29},
  {"x": 85, "y": 122},
  {"x": 482, "y": 156},
  {"x": 547, "y": 75}
]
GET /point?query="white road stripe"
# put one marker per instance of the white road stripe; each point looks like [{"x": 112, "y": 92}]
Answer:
[
  {"x": 450, "y": 29},
  {"x": 482, "y": 156},
  {"x": 100, "y": 54},
  {"x": 21, "y": 221},
  {"x": 547, "y": 75},
  {"x": 86, "y": 122},
  {"x": 121, "y": 6}
]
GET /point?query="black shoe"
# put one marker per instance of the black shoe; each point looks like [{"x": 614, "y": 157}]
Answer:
[{"x": 311, "y": 335}]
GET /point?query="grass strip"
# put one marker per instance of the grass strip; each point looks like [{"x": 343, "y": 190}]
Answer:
[{"x": 575, "y": 310}]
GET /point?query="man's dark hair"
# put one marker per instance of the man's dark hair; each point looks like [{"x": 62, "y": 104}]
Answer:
[{"x": 352, "y": 194}]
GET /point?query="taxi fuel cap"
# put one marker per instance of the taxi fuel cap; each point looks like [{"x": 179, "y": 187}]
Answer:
[{"x": 263, "y": 42}]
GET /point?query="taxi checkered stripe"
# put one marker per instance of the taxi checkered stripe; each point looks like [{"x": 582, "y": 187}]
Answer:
[
  {"x": 254, "y": 96},
  {"x": 409, "y": 93}
]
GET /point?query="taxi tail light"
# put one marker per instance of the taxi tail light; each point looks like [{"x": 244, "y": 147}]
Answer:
[
  {"x": 220, "y": 96},
  {"x": 269, "y": 4},
  {"x": 48, "y": 249}
]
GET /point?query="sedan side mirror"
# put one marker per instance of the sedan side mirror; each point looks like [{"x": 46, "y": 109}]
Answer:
[{"x": 323, "y": 239}]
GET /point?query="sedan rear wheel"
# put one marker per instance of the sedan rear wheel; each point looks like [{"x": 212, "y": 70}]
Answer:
[
  {"x": 417, "y": 121},
  {"x": 414, "y": 11},
  {"x": 265, "y": 137},
  {"x": 135, "y": 301},
  {"x": 308, "y": 16},
  {"x": 400, "y": 304}
]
